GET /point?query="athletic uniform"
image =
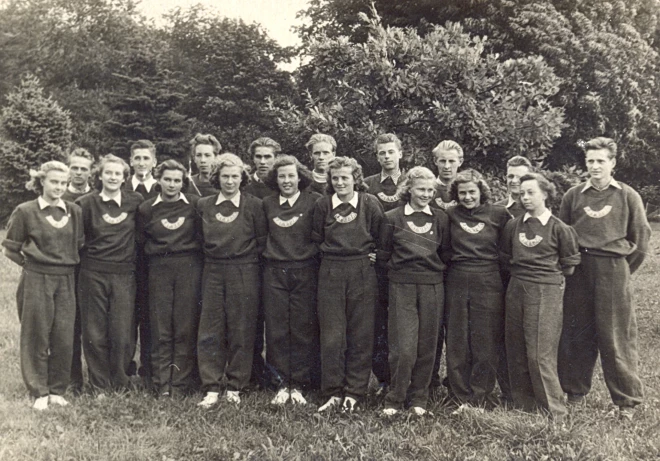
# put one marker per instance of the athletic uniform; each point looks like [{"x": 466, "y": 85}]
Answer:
[
  {"x": 514, "y": 207},
  {"x": 200, "y": 187},
  {"x": 319, "y": 183}
]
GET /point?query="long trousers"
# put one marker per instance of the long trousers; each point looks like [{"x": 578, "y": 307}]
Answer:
[
  {"x": 379, "y": 362},
  {"x": 599, "y": 316},
  {"x": 225, "y": 342},
  {"x": 532, "y": 330},
  {"x": 76, "y": 363},
  {"x": 46, "y": 309},
  {"x": 414, "y": 321},
  {"x": 346, "y": 303},
  {"x": 142, "y": 316},
  {"x": 292, "y": 329},
  {"x": 174, "y": 303}
]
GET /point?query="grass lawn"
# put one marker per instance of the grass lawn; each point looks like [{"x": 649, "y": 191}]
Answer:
[{"x": 138, "y": 427}]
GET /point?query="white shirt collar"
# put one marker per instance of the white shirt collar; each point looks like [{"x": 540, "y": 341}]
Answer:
[
  {"x": 148, "y": 183},
  {"x": 116, "y": 198},
  {"x": 292, "y": 200},
  {"x": 255, "y": 177},
  {"x": 395, "y": 177},
  {"x": 73, "y": 190},
  {"x": 236, "y": 199},
  {"x": 43, "y": 203},
  {"x": 544, "y": 217},
  {"x": 320, "y": 177},
  {"x": 408, "y": 210},
  {"x": 159, "y": 199},
  {"x": 336, "y": 201},
  {"x": 511, "y": 202},
  {"x": 612, "y": 183},
  {"x": 441, "y": 183}
]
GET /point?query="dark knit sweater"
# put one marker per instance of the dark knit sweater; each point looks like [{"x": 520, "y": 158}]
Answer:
[
  {"x": 259, "y": 189},
  {"x": 385, "y": 191},
  {"x": 318, "y": 187},
  {"x": 204, "y": 188},
  {"x": 516, "y": 209},
  {"x": 442, "y": 198}
]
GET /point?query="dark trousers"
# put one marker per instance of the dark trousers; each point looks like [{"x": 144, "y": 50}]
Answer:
[
  {"x": 108, "y": 322},
  {"x": 225, "y": 344},
  {"x": 436, "y": 378},
  {"x": 175, "y": 302},
  {"x": 292, "y": 329},
  {"x": 533, "y": 328},
  {"x": 475, "y": 331},
  {"x": 142, "y": 318},
  {"x": 414, "y": 321},
  {"x": 346, "y": 303},
  {"x": 76, "y": 364},
  {"x": 46, "y": 309},
  {"x": 379, "y": 361},
  {"x": 599, "y": 316}
]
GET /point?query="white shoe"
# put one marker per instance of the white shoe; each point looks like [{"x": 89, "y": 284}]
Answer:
[
  {"x": 419, "y": 411},
  {"x": 57, "y": 400},
  {"x": 297, "y": 397},
  {"x": 349, "y": 405},
  {"x": 281, "y": 397},
  {"x": 390, "y": 411},
  {"x": 233, "y": 397},
  {"x": 41, "y": 403},
  {"x": 210, "y": 399},
  {"x": 332, "y": 402}
]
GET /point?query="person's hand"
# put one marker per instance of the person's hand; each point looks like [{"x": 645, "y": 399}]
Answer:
[
  {"x": 372, "y": 258},
  {"x": 568, "y": 271}
]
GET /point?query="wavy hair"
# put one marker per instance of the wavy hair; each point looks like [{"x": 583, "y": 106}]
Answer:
[
  {"x": 356, "y": 170},
  {"x": 544, "y": 184},
  {"x": 418, "y": 172},
  {"x": 37, "y": 176},
  {"x": 467, "y": 176},
  {"x": 171, "y": 165},
  {"x": 103, "y": 161},
  {"x": 448, "y": 145},
  {"x": 304, "y": 174},
  {"x": 228, "y": 160}
]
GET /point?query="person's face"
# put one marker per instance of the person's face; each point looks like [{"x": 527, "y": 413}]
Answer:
[
  {"x": 513, "y": 175},
  {"x": 469, "y": 195},
  {"x": 79, "y": 170},
  {"x": 531, "y": 195},
  {"x": 448, "y": 162},
  {"x": 322, "y": 153},
  {"x": 343, "y": 182},
  {"x": 143, "y": 161},
  {"x": 54, "y": 184},
  {"x": 421, "y": 193},
  {"x": 388, "y": 156},
  {"x": 112, "y": 177},
  {"x": 171, "y": 183},
  {"x": 230, "y": 180},
  {"x": 600, "y": 165},
  {"x": 287, "y": 180},
  {"x": 263, "y": 159},
  {"x": 204, "y": 158}
]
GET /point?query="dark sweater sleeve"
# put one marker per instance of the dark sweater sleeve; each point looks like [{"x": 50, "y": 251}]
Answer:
[
  {"x": 141, "y": 219},
  {"x": 377, "y": 221},
  {"x": 260, "y": 225},
  {"x": 17, "y": 232},
  {"x": 506, "y": 245},
  {"x": 569, "y": 249},
  {"x": 80, "y": 231},
  {"x": 318, "y": 221},
  {"x": 639, "y": 230},
  {"x": 565, "y": 208},
  {"x": 386, "y": 239},
  {"x": 444, "y": 251}
]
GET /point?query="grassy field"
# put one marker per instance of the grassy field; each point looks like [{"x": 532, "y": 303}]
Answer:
[{"x": 138, "y": 427}]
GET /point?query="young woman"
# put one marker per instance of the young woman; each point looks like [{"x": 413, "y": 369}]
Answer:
[
  {"x": 169, "y": 230},
  {"x": 204, "y": 150},
  {"x": 106, "y": 284},
  {"x": 346, "y": 225},
  {"x": 414, "y": 237},
  {"x": 44, "y": 236},
  {"x": 290, "y": 278},
  {"x": 475, "y": 294},
  {"x": 540, "y": 250},
  {"x": 234, "y": 228}
]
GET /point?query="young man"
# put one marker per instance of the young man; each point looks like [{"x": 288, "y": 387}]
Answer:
[
  {"x": 204, "y": 149},
  {"x": 322, "y": 148},
  {"x": 447, "y": 157},
  {"x": 143, "y": 162},
  {"x": 383, "y": 186},
  {"x": 515, "y": 168},
  {"x": 614, "y": 235},
  {"x": 263, "y": 152}
]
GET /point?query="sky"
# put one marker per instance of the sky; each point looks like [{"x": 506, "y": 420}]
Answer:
[{"x": 276, "y": 16}]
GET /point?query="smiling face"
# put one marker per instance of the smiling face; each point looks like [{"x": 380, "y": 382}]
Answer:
[
  {"x": 448, "y": 162},
  {"x": 287, "y": 180},
  {"x": 143, "y": 161},
  {"x": 389, "y": 156},
  {"x": 532, "y": 197},
  {"x": 79, "y": 170},
  {"x": 421, "y": 193},
  {"x": 469, "y": 195},
  {"x": 204, "y": 158},
  {"x": 513, "y": 175},
  {"x": 263, "y": 159},
  {"x": 600, "y": 166},
  {"x": 343, "y": 182},
  {"x": 230, "y": 180},
  {"x": 54, "y": 185},
  {"x": 171, "y": 183},
  {"x": 322, "y": 153},
  {"x": 112, "y": 177}
]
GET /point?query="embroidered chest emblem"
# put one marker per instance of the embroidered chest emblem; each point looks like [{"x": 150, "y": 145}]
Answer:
[
  {"x": 388, "y": 198},
  {"x": 288, "y": 223},
  {"x": 419, "y": 229},
  {"x": 173, "y": 225},
  {"x": 445, "y": 205},
  {"x": 226, "y": 219},
  {"x": 346, "y": 219},
  {"x": 472, "y": 230},
  {"x": 598, "y": 214},
  {"x": 527, "y": 242},
  {"x": 110, "y": 220},
  {"x": 57, "y": 224}
]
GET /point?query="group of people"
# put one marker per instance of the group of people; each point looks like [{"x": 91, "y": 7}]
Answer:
[{"x": 357, "y": 274}]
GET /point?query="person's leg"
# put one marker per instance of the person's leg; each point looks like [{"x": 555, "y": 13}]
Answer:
[
  {"x": 142, "y": 316},
  {"x": 77, "y": 381},
  {"x": 212, "y": 336},
  {"x": 121, "y": 327},
  {"x": 459, "y": 356},
  {"x": 503, "y": 366},
  {"x": 379, "y": 363},
  {"x": 161, "y": 304},
  {"x": 277, "y": 310},
  {"x": 61, "y": 335},
  {"x": 94, "y": 296},
  {"x": 304, "y": 325}
]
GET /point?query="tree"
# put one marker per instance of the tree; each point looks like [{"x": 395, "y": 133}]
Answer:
[{"x": 35, "y": 129}]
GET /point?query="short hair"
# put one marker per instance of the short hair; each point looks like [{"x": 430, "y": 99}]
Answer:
[
  {"x": 601, "y": 143},
  {"x": 348, "y": 162},
  {"x": 319, "y": 137},
  {"x": 171, "y": 165},
  {"x": 544, "y": 184},
  {"x": 143, "y": 144},
  {"x": 447, "y": 145},
  {"x": 286, "y": 160},
  {"x": 103, "y": 161},
  {"x": 519, "y": 160},
  {"x": 418, "y": 172},
  {"x": 36, "y": 176},
  {"x": 207, "y": 140},
  {"x": 228, "y": 160},
  {"x": 467, "y": 176},
  {"x": 387, "y": 138},
  {"x": 80, "y": 152},
  {"x": 264, "y": 142}
]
